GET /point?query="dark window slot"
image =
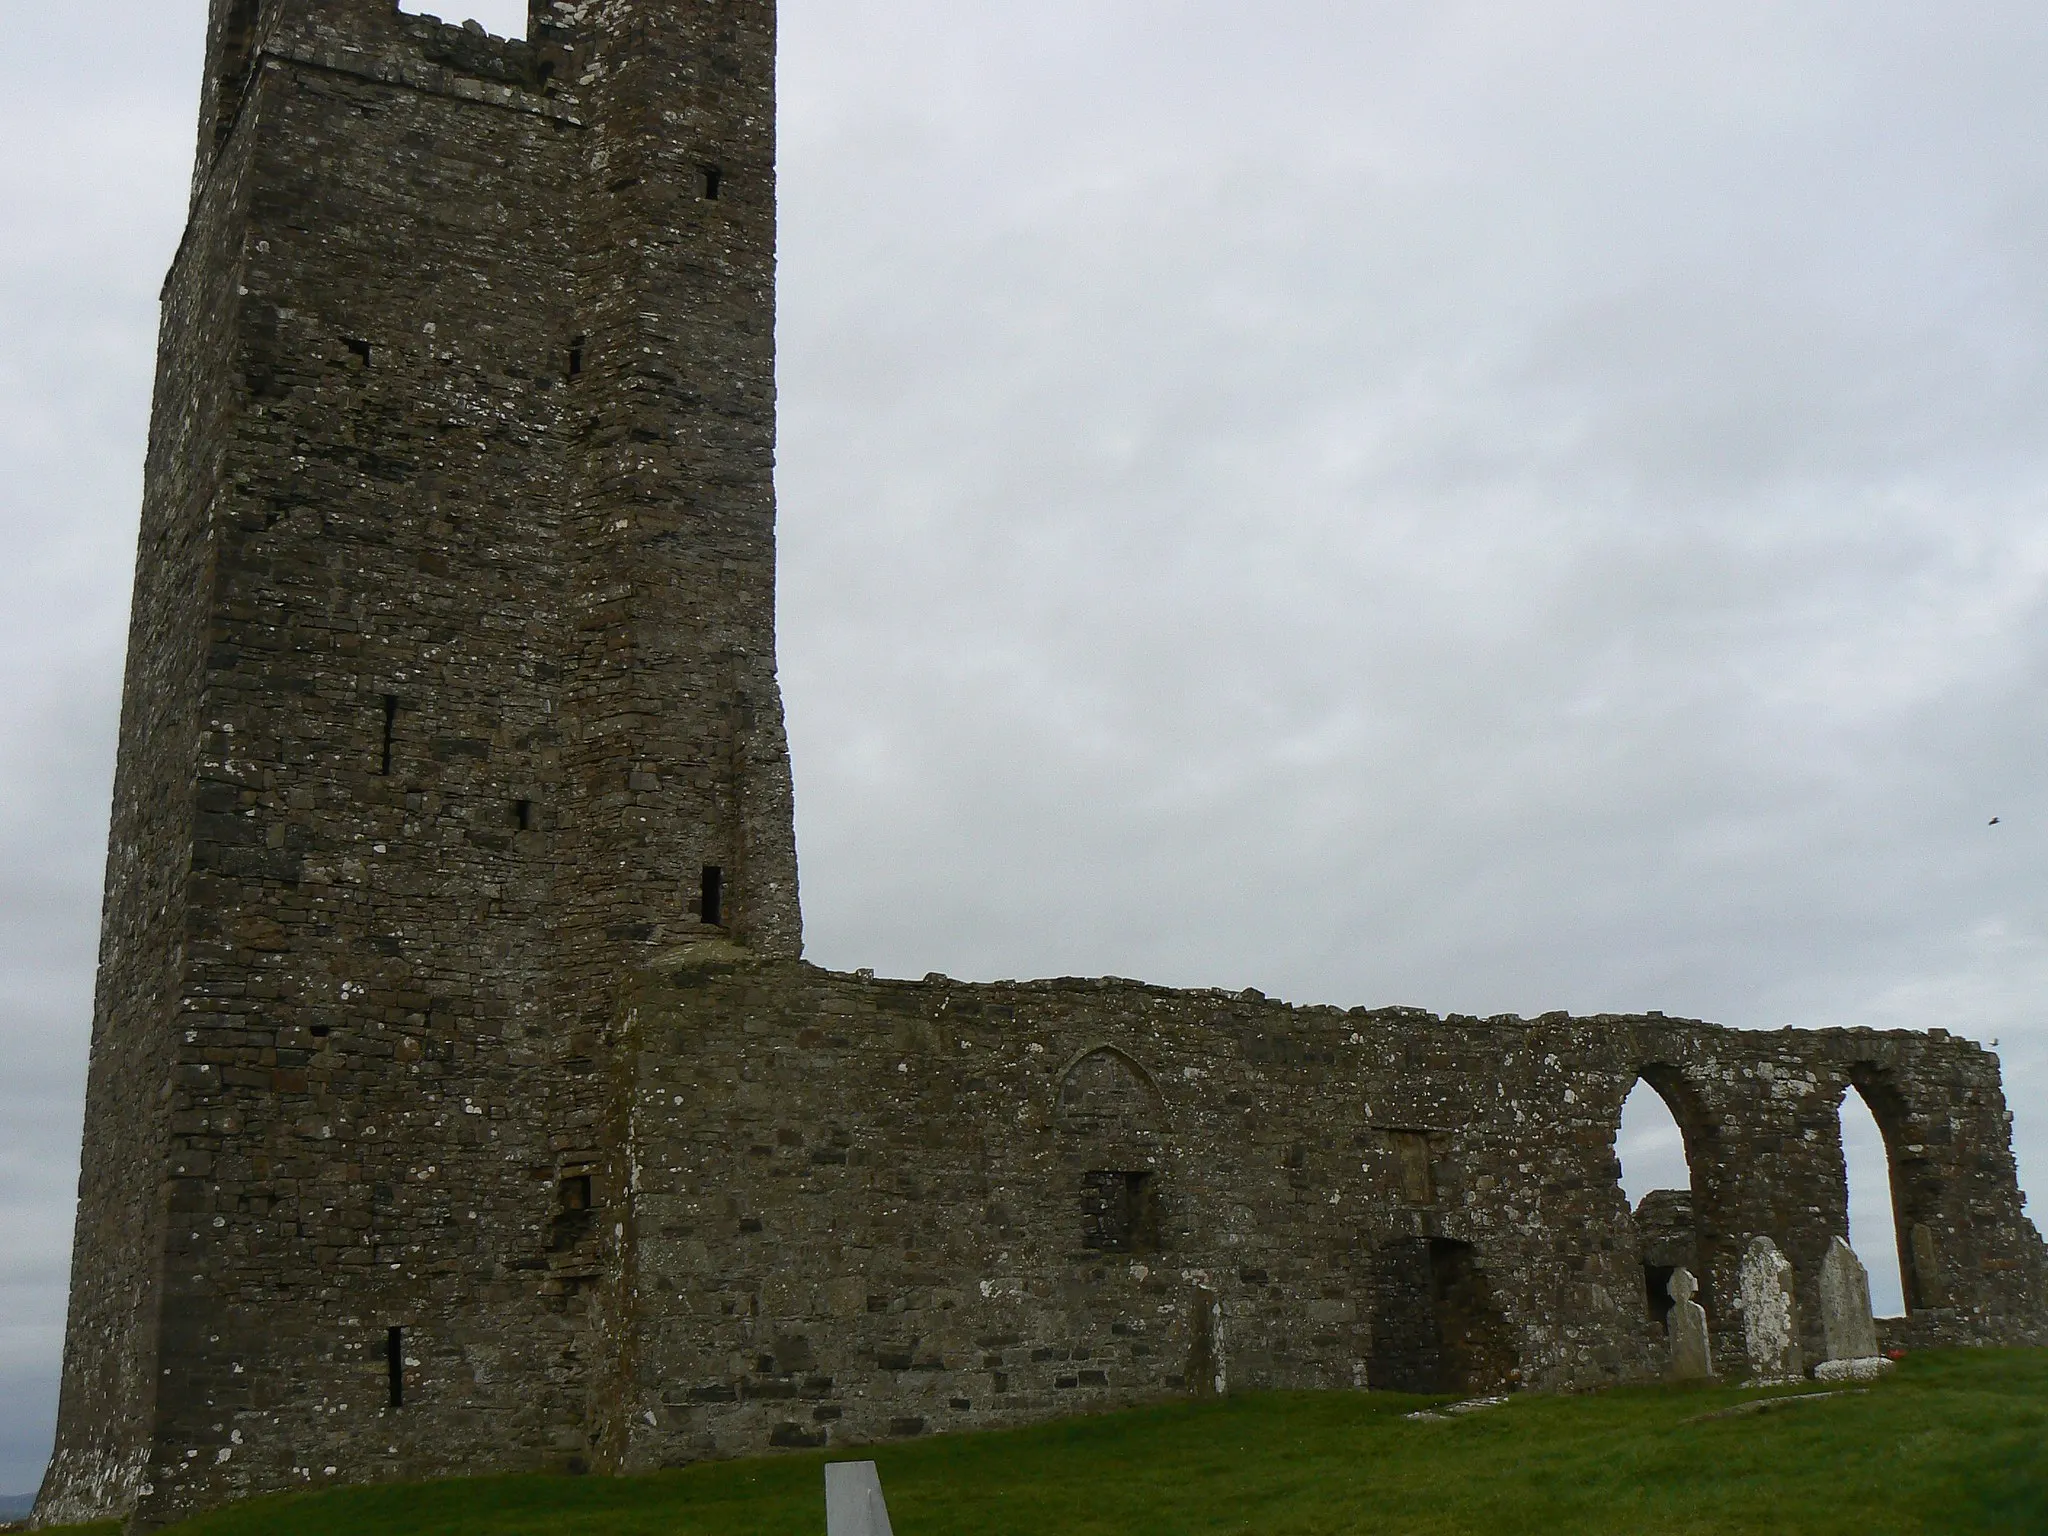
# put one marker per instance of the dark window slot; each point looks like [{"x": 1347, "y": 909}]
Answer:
[
  {"x": 1657, "y": 1283},
  {"x": 523, "y": 814},
  {"x": 1119, "y": 1212},
  {"x": 361, "y": 350},
  {"x": 390, "y": 731},
  {"x": 574, "y": 1217},
  {"x": 711, "y": 907},
  {"x": 394, "y": 1364},
  {"x": 576, "y": 357},
  {"x": 714, "y": 183},
  {"x": 322, "y": 1031}
]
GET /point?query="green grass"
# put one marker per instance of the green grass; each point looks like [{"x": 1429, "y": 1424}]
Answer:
[{"x": 1951, "y": 1443}]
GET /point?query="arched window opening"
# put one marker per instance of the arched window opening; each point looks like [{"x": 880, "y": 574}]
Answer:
[
  {"x": 500, "y": 18},
  {"x": 1873, "y": 1219},
  {"x": 1108, "y": 1117},
  {"x": 1657, "y": 1179}
]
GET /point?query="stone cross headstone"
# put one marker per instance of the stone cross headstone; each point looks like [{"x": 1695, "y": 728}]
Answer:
[
  {"x": 1770, "y": 1331},
  {"x": 1692, "y": 1352},
  {"x": 853, "y": 1500},
  {"x": 1846, "y": 1324}
]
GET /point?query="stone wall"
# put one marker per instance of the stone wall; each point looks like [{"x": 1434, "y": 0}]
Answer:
[
  {"x": 858, "y": 1209},
  {"x": 109, "y": 1384}
]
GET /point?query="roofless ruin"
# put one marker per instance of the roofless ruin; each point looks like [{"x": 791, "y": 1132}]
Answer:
[{"x": 459, "y": 1098}]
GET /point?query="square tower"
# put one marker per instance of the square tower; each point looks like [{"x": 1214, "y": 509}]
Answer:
[{"x": 450, "y": 698}]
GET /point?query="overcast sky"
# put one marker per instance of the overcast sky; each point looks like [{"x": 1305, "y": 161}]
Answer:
[{"x": 1493, "y": 506}]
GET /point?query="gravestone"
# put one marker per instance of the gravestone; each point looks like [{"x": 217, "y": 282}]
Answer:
[
  {"x": 1692, "y": 1352},
  {"x": 1770, "y": 1332},
  {"x": 1846, "y": 1323},
  {"x": 1847, "y": 1327},
  {"x": 853, "y": 1500}
]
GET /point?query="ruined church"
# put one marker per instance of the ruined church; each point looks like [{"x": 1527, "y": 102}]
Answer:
[{"x": 460, "y": 1100}]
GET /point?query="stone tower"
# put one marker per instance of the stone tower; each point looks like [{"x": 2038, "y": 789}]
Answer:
[{"x": 450, "y": 698}]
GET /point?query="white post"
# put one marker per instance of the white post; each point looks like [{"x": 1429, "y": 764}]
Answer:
[{"x": 853, "y": 1500}]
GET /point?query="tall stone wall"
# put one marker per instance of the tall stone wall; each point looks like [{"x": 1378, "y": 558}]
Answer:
[
  {"x": 451, "y": 683},
  {"x": 109, "y": 1383},
  {"x": 858, "y": 1209}
]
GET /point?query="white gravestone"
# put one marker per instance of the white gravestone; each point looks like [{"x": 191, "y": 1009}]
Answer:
[
  {"x": 1847, "y": 1327},
  {"x": 1692, "y": 1352},
  {"x": 853, "y": 1500},
  {"x": 1770, "y": 1332}
]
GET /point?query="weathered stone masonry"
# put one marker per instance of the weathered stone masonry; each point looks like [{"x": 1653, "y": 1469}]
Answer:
[
  {"x": 451, "y": 685},
  {"x": 856, "y": 1209},
  {"x": 459, "y": 1100}
]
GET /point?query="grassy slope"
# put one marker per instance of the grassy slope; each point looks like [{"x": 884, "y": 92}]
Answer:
[{"x": 1952, "y": 1443}]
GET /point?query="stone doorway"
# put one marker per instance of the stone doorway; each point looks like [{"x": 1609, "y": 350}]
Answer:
[
  {"x": 1436, "y": 1327},
  {"x": 1476, "y": 1355}
]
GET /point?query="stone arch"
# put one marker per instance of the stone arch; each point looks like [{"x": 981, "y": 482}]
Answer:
[
  {"x": 1106, "y": 1094},
  {"x": 1108, "y": 1117},
  {"x": 1675, "y": 1227},
  {"x": 1676, "y": 1089},
  {"x": 1915, "y": 1198}
]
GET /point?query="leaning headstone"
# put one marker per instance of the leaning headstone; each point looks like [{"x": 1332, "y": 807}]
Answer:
[
  {"x": 1770, "y": 1332},
  {"x": 1846, "y": 1325},
  {"x": 1845, "y": 1320},
  {"x": 1692, "y": 1352},
  {"x": 853, "y": 1500}
]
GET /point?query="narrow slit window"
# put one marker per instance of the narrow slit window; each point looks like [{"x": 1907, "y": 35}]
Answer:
[
  {"x": 361, "y": 349},
  {"x": 714, "y": 182},
  {"x": 576, "y": 357},
  {"x": 390, "y": 731},
  {"x": 522, "y": 813},
  {"x": 394, "y": 1364},
  {"x": 712, "y": 905}
]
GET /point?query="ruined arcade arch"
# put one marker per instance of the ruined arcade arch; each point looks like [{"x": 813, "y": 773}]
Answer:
[
  {"x": 1660, "y": 1138},
  {"x": 1912, "y": 1238},
  {"x": 1873, "y": 1225}
]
